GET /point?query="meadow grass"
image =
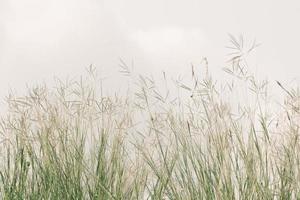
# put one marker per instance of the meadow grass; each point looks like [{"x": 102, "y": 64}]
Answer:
[{"x": 199, "y": 142}]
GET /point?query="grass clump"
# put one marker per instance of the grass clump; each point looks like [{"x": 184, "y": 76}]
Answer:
[{"x": 199, "y": 142}]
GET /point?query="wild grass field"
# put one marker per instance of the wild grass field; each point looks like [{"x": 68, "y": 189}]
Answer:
[{"x": 203, "y": 139}]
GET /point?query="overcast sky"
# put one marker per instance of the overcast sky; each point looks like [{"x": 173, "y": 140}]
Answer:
[{"x": 40, "y": 39}]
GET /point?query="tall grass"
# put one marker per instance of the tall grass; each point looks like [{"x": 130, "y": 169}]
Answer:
[{"x": 200, "y": 142}]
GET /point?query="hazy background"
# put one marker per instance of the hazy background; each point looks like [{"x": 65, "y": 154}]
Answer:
[{"x": 40, "y": 39}]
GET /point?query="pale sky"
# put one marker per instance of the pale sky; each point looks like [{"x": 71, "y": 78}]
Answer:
[{"x": 40, "y": 39}]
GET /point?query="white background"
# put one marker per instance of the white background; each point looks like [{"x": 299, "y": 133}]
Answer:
[{"x": 40, "y": 39}]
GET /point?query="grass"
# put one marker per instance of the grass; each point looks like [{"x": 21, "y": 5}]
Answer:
[{"x": 200, "y": 142}]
